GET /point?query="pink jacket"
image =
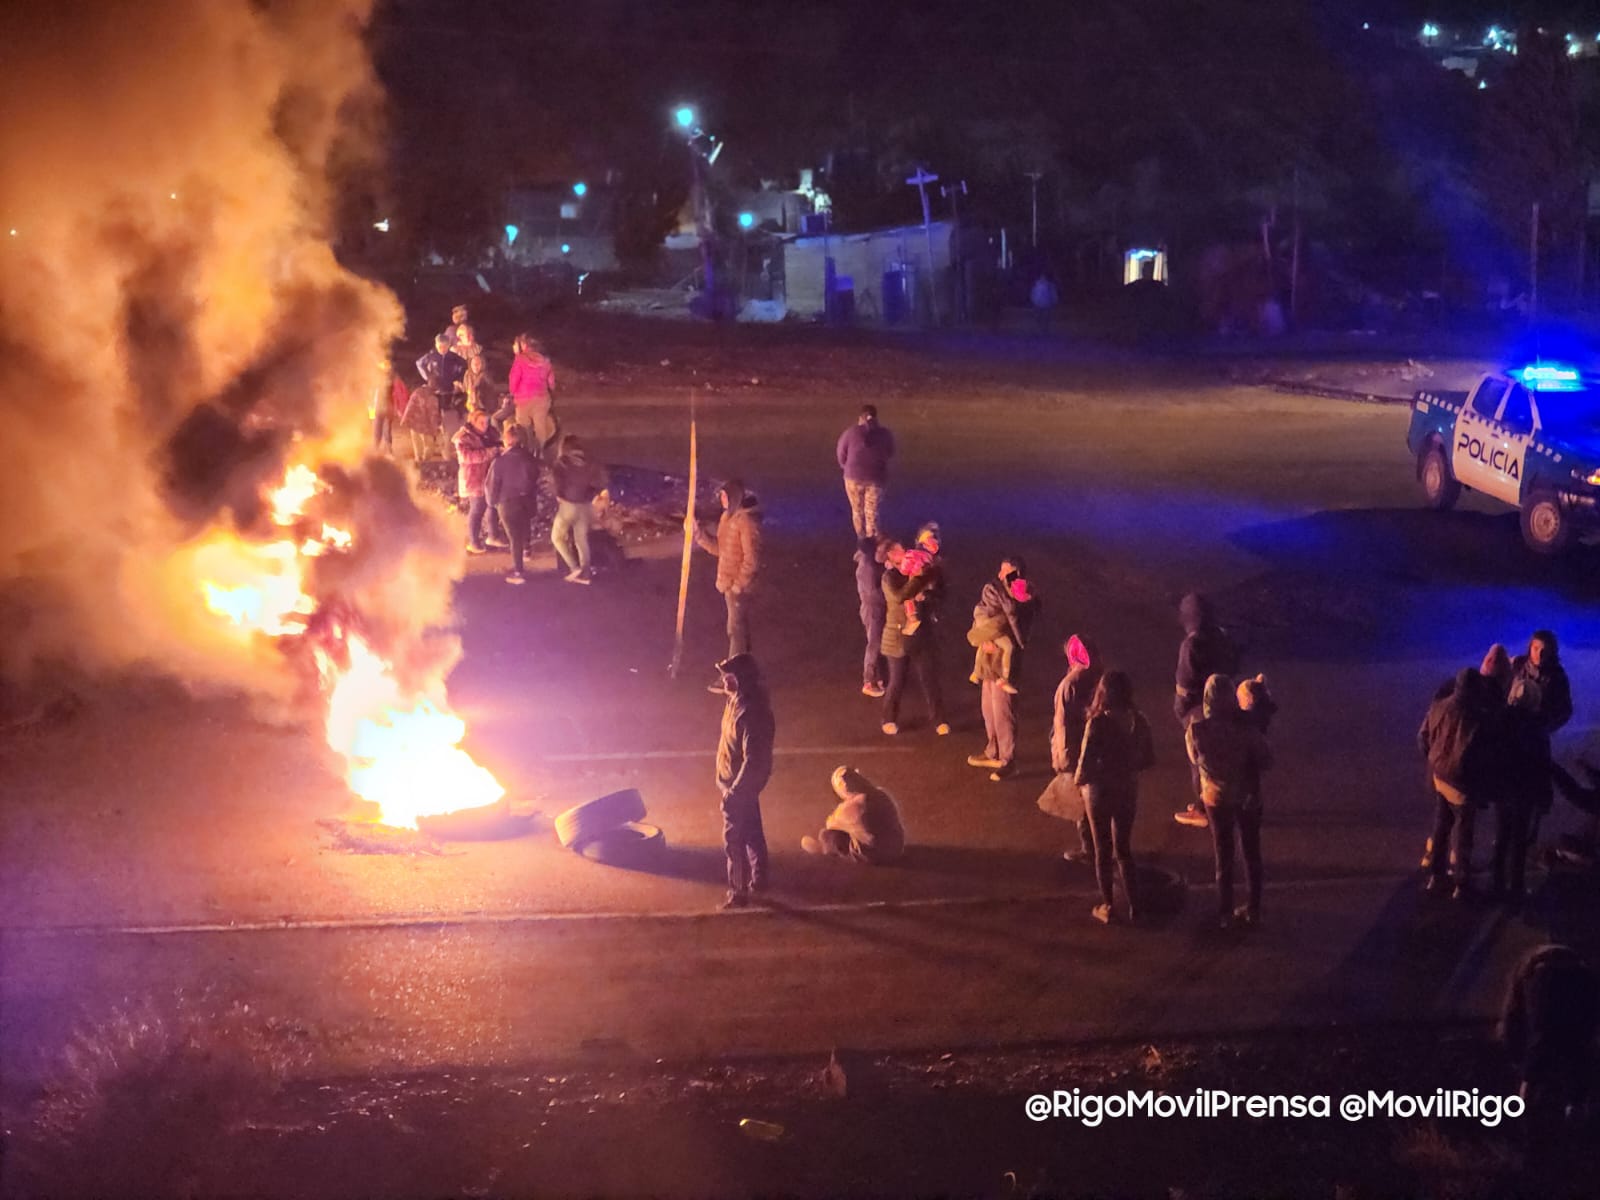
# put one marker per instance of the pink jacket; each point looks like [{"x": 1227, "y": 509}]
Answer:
[{"x": 531, "y": 380}]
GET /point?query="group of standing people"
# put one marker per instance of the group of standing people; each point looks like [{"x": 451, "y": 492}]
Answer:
[
  {"x": 506, "y": 445},
  {"x": 1486, "y": 739}
]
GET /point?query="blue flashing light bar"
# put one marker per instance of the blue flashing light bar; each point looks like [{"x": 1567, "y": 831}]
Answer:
[{"x": 1542, "y": 378}]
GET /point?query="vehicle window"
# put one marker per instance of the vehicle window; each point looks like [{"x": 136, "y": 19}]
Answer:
[
  {"x": 1517, "y": 412},
  {"x": 1486, "y": 400}
]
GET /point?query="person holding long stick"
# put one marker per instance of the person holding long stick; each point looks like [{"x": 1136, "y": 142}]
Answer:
[{"x": 736, "y": 546}]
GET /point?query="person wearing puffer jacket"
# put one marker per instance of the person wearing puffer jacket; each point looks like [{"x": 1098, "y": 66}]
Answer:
[
  {"x": 866, "y": 825},
  {"x": 737, "y": 548},
  {"x": 1073, "y": 695},
  {"x": 1230, "y": 753}
]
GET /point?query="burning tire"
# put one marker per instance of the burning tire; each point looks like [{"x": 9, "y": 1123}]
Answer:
[
  {"x": 630, "y": 845},
  {"x": 585, "y": 822}
]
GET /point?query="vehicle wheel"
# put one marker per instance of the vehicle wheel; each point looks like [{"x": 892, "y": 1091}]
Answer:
[
  {"x": 1440, "y": 489},
  {"x": 630, "y": 845},
  {"x": 592, "y": 818},
  {"x": 1546, "y": 526}
]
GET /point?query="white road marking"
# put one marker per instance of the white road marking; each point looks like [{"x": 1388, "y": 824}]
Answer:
[{"x": 470, "y": 920}]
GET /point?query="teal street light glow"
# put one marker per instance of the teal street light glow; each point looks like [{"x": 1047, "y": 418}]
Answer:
[
  {"x": 566, "y": 248},
  {"x": 580, "y": 188},
  {"x": 746, "y": 220},
  {"x": 511, "y": 235},
  {"x": 685, "y": 117}
]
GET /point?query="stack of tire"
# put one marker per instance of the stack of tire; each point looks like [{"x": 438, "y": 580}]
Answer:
[{"x": 610, "y": 829}]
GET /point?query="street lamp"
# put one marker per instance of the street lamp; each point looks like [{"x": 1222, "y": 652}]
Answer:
[
  {"x": 685, "y": 118},
  {"x": 580, "y": 188},
  {"x": 746, "y": 220}
]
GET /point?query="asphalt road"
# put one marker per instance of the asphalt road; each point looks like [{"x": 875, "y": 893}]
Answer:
[{"x": 162, "y": 854}]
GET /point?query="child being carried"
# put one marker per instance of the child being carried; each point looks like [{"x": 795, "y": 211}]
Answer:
[{"x": 994, "y": 623}]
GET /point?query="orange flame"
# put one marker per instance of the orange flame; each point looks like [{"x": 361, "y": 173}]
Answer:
[{"x": 401, "y": 749}]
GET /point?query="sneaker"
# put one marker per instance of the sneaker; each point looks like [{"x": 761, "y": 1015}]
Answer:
[
  {"x": 497, "y": 544},
  {"x": 942, "y": 729},
  {"x": 810, "y": 845},
  {"x": 891, "y": 728},
  {"x": 1000, "y": 776},
  {"x": 1075, "y": 856},
  {"x": 983, "y": 760},
  {"x": 1008, "y": 687},
  {"x": 580, "y": 577},
  {"x": 737, "y": 900},
  {"x": 1101, "y": 913},
  {"x": 1245, "y": 917},
  {"x": 516, "y": 577},
  {"x": 875, "y": 690},
  {"x": 471, "y": 549},
  {"x": 1194, "y": 816}
]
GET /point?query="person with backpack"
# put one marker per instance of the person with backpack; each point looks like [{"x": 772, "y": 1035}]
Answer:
[
  {"x": 1116, "y": 749},
  {"x": 1459, "y": 739},
  {"x": 1206, "y": 650}
]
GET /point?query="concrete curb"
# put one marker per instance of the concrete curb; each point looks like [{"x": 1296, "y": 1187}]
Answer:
[{"x": 1333, "y": 393}]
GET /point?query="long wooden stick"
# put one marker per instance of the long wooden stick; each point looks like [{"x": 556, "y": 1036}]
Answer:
[{"x": 688, "y": 541}]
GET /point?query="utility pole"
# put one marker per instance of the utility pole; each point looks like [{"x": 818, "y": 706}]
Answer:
[
  {"x": 1035, "y": 176},
  {"x": 920, "y": 181}
]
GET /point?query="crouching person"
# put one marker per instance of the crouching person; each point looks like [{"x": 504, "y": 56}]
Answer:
[{"x": 866, "y": 825}]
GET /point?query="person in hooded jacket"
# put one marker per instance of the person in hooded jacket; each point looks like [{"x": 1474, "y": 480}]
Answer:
[
  {"x": 1206, "y": 650},
  {"x": 578, "y": 482},
  {"x": 864, "y": 451},
  {"x": 1231, "y": 753},
  {"x": 532, "y": 384},
  {"x": 744, "y": 764},
  {"x": 737, "y": 548},
  {"x": 1071, "y": 717},
  {"x": 1542, "y": 665},
  {"x": 1460, "y": 740},
  {"x": 865, "y": 827},
  {"x": 1525, "y": 792},
  {"x": 874, "y": 609},
  {"x": 998, "y": 699},
  {"x": 1116, "y": 748}
]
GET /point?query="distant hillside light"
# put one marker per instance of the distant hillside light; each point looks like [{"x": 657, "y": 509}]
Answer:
[
  {"x": 511, "y": 235},
  {"x": 580, "y": 188},
  {"x": 746, "y": 220},
  {"x": 685, "y": 117},
  {"x": 1430, "y": 31},
  {"x": 566, "y": 248}
]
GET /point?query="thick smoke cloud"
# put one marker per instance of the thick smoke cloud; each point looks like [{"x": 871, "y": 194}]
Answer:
[{"x": 174, "y": 329}]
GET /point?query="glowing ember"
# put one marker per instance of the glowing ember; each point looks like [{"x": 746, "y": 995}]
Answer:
[{"x": 401, "y": 749}]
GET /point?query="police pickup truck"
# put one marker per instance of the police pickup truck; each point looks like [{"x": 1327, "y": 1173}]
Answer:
[{"x": 1529, "y": 437}]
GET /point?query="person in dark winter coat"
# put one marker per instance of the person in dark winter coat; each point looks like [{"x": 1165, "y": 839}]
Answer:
[
  {"x": 864, "y": 451},
  {"x": 1116, "y": 748},
  {"x": 999, "y": 693},
  {"x": 1071, "y": 717},
  {"x": 912, "y": 652},
  {"x": 1548, "y": 1024},
  {"x": 1231, "y": 753},
  {"x": 1496, "y": 668},
  {"x": 512, "y": 487},
  {"x": 865, "y": 827},
  {"x": 744, "y": 764},
  {"x": 1542, "y": 665},
  {"x": 1460, "y": 739},
  {"x": 737, "y": 548},
  {"x": 1525, "y": 790},
  {"x": 578, "y": 481},
  {"x": 1206, "y": 650},
  {"x": 874, "y": 608}
]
